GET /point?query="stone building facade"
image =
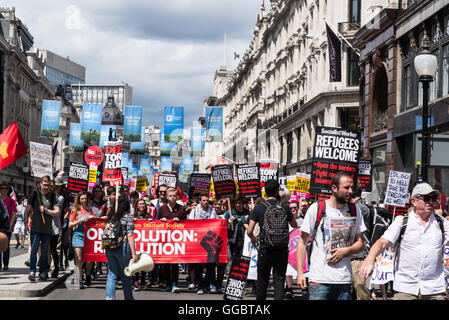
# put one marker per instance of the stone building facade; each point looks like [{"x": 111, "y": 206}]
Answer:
[
  {"x": 22, "y": 88},
  {"x": 281, "y": 91}
]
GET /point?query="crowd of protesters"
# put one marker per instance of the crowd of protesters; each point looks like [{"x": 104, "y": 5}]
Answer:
[{"x": 54, "y": 221}]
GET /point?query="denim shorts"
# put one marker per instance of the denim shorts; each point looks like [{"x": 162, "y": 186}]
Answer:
[
  {"x": 326, "y": 291},
  {"x": 78, "y": 239}
]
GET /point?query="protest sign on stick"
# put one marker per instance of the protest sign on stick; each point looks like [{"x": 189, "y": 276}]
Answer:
[
  {"x": 335, "y": 150},
  {"x": 397, "y": 189},
  {"x": 41, "y": 160},
  {"x": 170, "y": 179},
  {"x": 112, "y": 169},
  {"x": 223, "y": 178},
  {"x": 78, "y": 178},
  {"x": 249, "y": 180}
]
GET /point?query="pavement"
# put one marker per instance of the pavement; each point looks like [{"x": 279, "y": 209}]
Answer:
[{"x": 14, "y": 282}]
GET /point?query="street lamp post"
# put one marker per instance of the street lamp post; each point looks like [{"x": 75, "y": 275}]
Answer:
[{"x": 425, "y": 65}]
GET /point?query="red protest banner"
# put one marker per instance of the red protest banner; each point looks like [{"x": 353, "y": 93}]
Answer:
[{"x": 187, "y": 241}]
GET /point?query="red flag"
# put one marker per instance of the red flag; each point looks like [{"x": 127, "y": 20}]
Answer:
[
  {"x": 181, "y": 195},
  {"x": 12, "y": 146},
  {"x": 221, "y": 160}
]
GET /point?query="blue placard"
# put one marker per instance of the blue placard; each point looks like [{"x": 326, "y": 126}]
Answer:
[
  {"x": 91, "y": 122},
  {"x": 173, "y": 124},
  {"x": 75, "y": 142},
  {"x": 132, "y": 124},
  {"x": 145, "y": 165},
  {"x": 51, "y": 111}
]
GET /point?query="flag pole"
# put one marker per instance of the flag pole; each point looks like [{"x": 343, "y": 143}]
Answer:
[{"x": 341, "y": 37}]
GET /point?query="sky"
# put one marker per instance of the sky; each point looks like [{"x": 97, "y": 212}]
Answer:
[{"x": 168, "y": 51}]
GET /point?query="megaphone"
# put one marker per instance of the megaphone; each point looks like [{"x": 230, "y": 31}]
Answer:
[
  {"x": 144, "y": 263},
  {"x": 285, "y": 194}
]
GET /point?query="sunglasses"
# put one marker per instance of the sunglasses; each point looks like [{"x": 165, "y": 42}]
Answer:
[
  {"x": 427, "y": 198},
  {"x": 293, "y": 207}
]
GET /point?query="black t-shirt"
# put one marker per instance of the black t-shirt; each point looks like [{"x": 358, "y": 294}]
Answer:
[
  {"x": 48, "y": 201},
  {"x": 258, "y": 213}
]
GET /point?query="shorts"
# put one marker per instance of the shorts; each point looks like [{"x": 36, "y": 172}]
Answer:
[
  {"x": 78, "y": 240},
  {"x": 19, "y": 228}
]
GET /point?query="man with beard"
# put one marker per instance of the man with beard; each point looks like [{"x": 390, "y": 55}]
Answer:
[{"x": 330, "y": 278}]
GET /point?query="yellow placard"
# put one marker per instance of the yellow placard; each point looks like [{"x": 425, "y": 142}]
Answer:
[
  {"x": 302, "y": 184},
  {"x": 92, "y": 175},
  {"x": 141, "y": 185}
]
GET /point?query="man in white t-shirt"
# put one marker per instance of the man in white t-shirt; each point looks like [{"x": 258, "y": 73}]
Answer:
[
  {"x": 419, "y": 272},
  {"x": 330, "y": 278}
]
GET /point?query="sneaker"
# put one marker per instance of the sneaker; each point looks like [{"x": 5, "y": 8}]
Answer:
[
  {"x": 213, "y": 289},
  {"x": 22, "y": 247},
  {"x": 27, "y": 262},
  {"x": 43, "y": 277},
  {"x": 55, "y": 274},
  {"x": 200, "y": 291},
  {"x": 288, "y": 295},
  {"x": 81, "y": 284},
  {"x": 175, "y": 289},
  {"x": 17, "y": 246},
  {"x": 5, "y": 268},
  {"x": 167, "y": 289},
  {"x": 32, "y": 277},
  {"x": 191, "y": 286},
  {"x": 148, "y": 284},
  {"x": 136, "y": 289}
]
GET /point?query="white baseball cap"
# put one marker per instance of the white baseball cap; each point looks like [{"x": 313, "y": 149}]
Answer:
[{"x": 424, "y": 189}]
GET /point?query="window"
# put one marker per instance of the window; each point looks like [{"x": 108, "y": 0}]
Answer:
[
  {"x": 353, "y": 69},
  {"x": 354, "y": 10},
  {"x": 379, "y": 156},
  {"x": 445, "y": 71},
  {"x": 289, "y": 147},
  {"x": 349, "y": 119},
  {"x": 406, "y": 84}
]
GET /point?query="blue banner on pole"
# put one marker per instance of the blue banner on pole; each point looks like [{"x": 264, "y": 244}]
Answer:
[
  {"x": 166, "y": 164},
  {"x": 139, "y": 147},
  {"x": 105, "y": 131},
  {"x": 75, "y": 142},
  {"x": 214, "y": 124},
  {"x": 145, "y": 165},
  {"x": 173, "y": 124},
  {"x": 197, "y": 140},
  {"x": 132, "y": 124},
  {"x": 91, "y": 123},
  {"x": 164, "y": 146},
  {"x": 51, "y": 111}
]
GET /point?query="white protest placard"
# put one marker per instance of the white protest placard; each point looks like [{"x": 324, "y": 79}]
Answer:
[
  {"x": 248, "y": 249},
  {"x": 383, "y": 268},
  {"x": 41, "y": 160},
  {"x": 397, "y": 190}
]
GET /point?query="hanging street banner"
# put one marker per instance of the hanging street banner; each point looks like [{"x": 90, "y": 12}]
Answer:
[
  {"x": 173, "y": 124},
  {"x": 165, "y": 147},
  {"x": 91, "y": 122},
  {"x": 334, "y": 46},
  {"x": 132, "y": 124},
  {"x": 335, "y": 150},
  {"x": 78, "y": 178},
  {"x": 170, "y": 179},
  {"x": 51, "y": 111},
  {"x": 104, "y": 135},
  {"x": 139, "y": 147},
  {"x": 214, "y": 124},
  {"x": 185, "y": 169},
  {"x": 223, "y": 179},
  {"x": 186, "y": 241},
  {"x": 75, "y": 142},
  {"x": 166, "y": 164},
  {"x": 112, "y": 167},
  {"x": 249, "y": 180},
  {"x": 199, "y": 184},
  {"x": 365, "y": 172},
  {"x": 397, "y": 193},
  {"x": 145, "y": 165},
  {"x": 41, "y": 160},
  {"x": 197, "y": 140}
]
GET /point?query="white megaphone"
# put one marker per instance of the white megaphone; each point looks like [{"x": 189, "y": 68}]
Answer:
[
  {"x": 285, "y": 194},
  {"x": 144, "y": 263}
]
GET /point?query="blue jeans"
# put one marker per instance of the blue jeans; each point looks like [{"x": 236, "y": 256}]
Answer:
[
  {"x": 118, "y": 259},
  {"x": 44, "y": 240},
  {"x": 326, "y": 291}
]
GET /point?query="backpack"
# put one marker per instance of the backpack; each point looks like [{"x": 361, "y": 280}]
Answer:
[
  {"x": 112, "y": 235},
  {"x": 320, "y": 215},
  {"x": 381, "y": 222},
  {"x": 275, "y": 233},
  {"x": 404, "y": 226}
]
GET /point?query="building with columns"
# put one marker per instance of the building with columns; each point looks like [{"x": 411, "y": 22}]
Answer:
[
  {"x": 280, "y": 91},
  {"x": 23, "y": 86}
]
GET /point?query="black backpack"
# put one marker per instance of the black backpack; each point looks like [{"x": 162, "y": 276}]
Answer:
[
  {"x": 275, "y": 233},
  {"x": 112, "y": 235},
  {"x": 381, "y": 222}
]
